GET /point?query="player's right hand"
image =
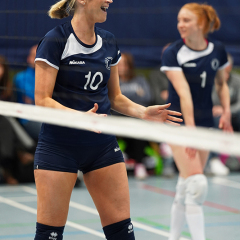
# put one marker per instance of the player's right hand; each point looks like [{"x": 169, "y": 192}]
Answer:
[{"x": 94, "y": 111}]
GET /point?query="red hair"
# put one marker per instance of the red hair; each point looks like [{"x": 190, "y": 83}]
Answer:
[{"x": 206, "y": 15}]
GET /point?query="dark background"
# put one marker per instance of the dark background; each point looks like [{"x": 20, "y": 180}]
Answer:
[{"x": 141, "y": 27}]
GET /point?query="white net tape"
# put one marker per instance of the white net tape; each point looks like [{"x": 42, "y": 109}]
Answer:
[{"x": 200, "y": 138}]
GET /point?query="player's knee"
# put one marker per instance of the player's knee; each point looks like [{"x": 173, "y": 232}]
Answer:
[
  {"x": 180, "y": 191},
  {"x": 45, "y": 232},
  {"x": 120, "y": 230},
  {"x": 196, "y": 190}
]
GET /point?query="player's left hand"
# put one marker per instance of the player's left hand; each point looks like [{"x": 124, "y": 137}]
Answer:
[
  {"x": 225, "y": 122},
  {"x": 159, "y": 113}
]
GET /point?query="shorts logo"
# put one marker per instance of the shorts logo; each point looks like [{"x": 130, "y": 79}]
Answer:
[
  {"x": 130, "y": 228},
  {"x": 215, "y": 64},
  {"x": 116, "y": 149},
  {"x": 53, "y": 236},
  {"x": 76, "y": 62},
  {"x": 108, "y": 61}
]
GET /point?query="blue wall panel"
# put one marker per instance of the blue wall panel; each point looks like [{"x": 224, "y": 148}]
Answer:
[{"x": 141, "y": 27}]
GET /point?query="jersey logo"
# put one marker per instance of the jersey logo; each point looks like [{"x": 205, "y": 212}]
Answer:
[
  {"x": 215, "y": 64},
  {"x": 76, "y": 62},
  {"x": 190, "y": 65},
  {"x": 108, "y": 61}
]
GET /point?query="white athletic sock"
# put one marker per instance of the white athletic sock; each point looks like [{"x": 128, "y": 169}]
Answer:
[
  {"x": 195, "y": 220},
  {"x": 177, "y": 220}
]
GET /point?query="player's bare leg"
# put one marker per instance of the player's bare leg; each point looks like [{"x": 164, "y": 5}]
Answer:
[
  {"x": 53, "y": 195},
  {"x": 191, "y": 193},
  {"x": 108, "y": 187}
]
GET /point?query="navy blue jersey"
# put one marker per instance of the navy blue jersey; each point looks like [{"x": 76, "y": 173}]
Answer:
[
  {"x": 83, "y": 73},
  {"x": 199, "y": 68}
]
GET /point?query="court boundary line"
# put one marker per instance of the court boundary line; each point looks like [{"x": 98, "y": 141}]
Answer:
[
  {"x": 226, "y": 182},
  {"x": 172, "y": 194},
  {"x": 95, "y": 212},
  {"x": 34, "y": 211}
]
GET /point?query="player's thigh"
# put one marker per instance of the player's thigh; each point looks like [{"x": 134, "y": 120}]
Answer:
[
  {"x": 186, "y": 166},
  {"x": 204, "y": 157},
  {"x": 108, "y": 187},
  {"x": 54, "y": 190}
]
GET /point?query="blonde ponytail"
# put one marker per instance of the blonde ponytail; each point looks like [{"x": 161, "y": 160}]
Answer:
[
  {"x": 206, "y": 14},
  {"x": 61, "y": 9}
]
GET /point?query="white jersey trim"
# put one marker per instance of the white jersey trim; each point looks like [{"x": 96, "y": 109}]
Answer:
[
  {"x": 185, "y": 54},
  {"x": 224, "y": 65},
  {"x": 74, "y": 47},
  {"x": 164, "y": 68},
  {"x": 111, "y": 65},
  {"x": 46, "y": 61}
]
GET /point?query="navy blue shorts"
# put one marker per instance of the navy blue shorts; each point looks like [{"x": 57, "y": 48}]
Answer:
[{"x": 71, "y": 158}]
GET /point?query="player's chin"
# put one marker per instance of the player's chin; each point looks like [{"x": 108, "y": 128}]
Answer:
[
  {"x": 183, "y": 36},
  {"x": 102, "y": 19}
]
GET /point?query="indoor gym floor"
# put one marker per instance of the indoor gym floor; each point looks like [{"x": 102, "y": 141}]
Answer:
[{"x": 150, "y": 210}]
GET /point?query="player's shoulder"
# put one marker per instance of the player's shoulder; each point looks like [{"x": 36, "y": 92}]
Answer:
[
  {"x": 104, "y": 33},
  {"x": 218, "y": 45},
  {"x": 59, "y": 32},
  {"x": 174, "y": 47},
  {"x": 177, "y": 44}
]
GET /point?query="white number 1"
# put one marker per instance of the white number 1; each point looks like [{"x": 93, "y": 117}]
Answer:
[
  {"x": 88, "y": 80},
  {"x": 204, "y": 77}
]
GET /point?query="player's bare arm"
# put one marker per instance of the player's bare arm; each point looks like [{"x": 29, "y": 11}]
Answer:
[
  {"x": 181, "y": 86},
  {"x": 123, "y": 105},
  {"x": 223, "y": 93}
]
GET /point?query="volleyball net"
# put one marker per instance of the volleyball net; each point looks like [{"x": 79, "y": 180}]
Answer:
[{"x": 200, "y": 138}]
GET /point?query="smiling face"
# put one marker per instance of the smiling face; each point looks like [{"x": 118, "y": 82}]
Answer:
[
  {"x": 97, "y": 9},
  {"x": 188, "y": 25}
]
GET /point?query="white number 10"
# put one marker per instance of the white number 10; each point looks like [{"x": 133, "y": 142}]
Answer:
[
  {"x": 204, "y": 78},
  {"x": 93, "y": 80}
]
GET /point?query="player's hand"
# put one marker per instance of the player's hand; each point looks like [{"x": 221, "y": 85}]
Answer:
[
  {"x": 159, "y": 113},
  {"x": 217, "y": 111},
  {"x": 225, "y": 122},
  {"x": 191, "y": 152},
  {"x": 94, "y": 112}
]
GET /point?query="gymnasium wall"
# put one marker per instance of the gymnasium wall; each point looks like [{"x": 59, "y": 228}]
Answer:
[{"x": 141, "y": 27}]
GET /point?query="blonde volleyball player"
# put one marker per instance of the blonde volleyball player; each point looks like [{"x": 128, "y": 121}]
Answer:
[
  {"x": 193, "y": 64},
  {"x": 76, "y": 69}
]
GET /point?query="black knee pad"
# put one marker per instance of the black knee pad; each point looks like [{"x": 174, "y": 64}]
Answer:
[
  {"x": 120, "y": 231},
  {"x": 45, "y": 232}
]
